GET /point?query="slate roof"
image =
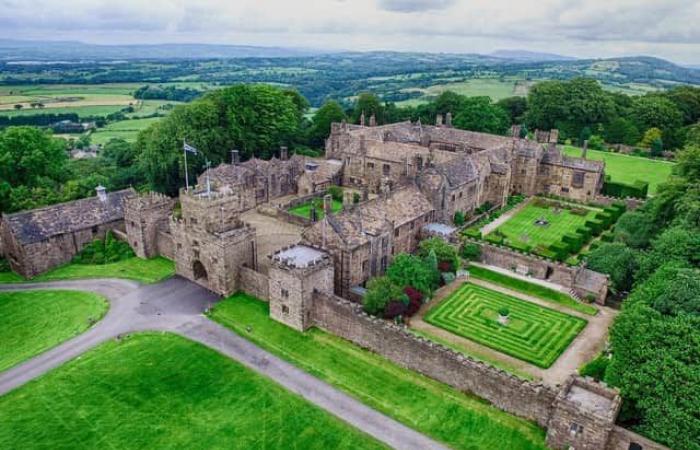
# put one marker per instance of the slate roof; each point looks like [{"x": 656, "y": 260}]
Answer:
[
  {"x": 458, "y": 171},
  {"x": 39, "y": 224}
]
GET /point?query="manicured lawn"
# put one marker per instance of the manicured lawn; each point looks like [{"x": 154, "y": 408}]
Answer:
[
  {"x": 32, "y": 322},
  {"x": 533, "y": 289},
  {"x": 460, "y": 421},
  {"x": 304, "y": 210},
  {"x": 627, "y": 168},
  {"x": 10, "y": 277},
  {"x": 163, "y": 391},
  {"x": 143, "y": 270},
  {"x": 522, "y": 232},
  {"x": 534, "y": 334}
]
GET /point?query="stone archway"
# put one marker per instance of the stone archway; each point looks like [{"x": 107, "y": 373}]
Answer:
[{"x": 199, "y": 271}]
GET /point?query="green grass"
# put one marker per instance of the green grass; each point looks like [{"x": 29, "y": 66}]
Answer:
[
  {"x": 32, "y": 322},
  {"x": 426, "y": 405},
  {"x": 162, "y": 391},
  {"x": 534, "y": 334},
  {"x": 627, "y": 168},
  {"x": 491, "y": 87},
  {"x": 521, "y": 231},
  {"x": 532, "y": 289},
  {"x": 143, "y": 270},
  {"x": 124, "y": 129},
  {"x": 82, "y": 111},
  {"x": 304, "y": 210},
  {"x": 10, "y": 277}
]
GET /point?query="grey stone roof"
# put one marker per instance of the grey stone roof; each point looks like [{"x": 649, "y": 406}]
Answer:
[
  {"x": 439, "y": 228},
  {"x": 42, "y": 223},
  {"x": 458, "y": 171}
]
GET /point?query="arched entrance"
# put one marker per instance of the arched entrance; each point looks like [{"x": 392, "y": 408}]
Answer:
[{"x": 200, "y": 273}]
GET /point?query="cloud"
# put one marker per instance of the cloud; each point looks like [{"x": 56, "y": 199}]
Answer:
[
  {"x": 577, "y": 27},
  {"x": 414, "y": 5}
]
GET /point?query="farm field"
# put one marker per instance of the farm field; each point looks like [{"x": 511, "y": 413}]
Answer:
[
  {"x": 32, "y": 322},
  {"x": 628, "y": 168},
  {"x": 491, "y": 87},
  {"x": 163, "y": 391},
  {"x": 433, "y": 408},
  {"x": 124, "y": 129},
  {"x": 534, "y": 334},
  {"x": 533, "y": 289},
  {"x": 304, "y": 210},
  {"x": 521, "y": 231}
]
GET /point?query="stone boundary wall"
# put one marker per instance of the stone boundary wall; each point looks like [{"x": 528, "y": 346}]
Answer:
[
  {"x": 293, "y": 218},
  {"x": 532, "y": 401},
  {"x": 621, "y": 438},
  {"x": 165, "y": 245},
  {"x": 254, "y": 283},
  {"x": 631, "y": 203}
]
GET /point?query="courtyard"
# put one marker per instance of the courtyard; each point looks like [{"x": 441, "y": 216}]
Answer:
[
  {"x": 538, "y": 225},
  {"x": 531, "y": 332},
  {"x": 304, "y": 210}
]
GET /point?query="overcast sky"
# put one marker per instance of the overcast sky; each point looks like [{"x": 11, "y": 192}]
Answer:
[{"x": 585, "y": 28}]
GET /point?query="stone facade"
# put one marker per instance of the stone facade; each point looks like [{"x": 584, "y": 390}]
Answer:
[
  {"x": 145, "y": 216},
  {"x": 38, "y": 240}
]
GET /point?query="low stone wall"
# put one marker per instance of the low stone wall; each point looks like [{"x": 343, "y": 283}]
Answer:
[
  {"x": 532, "y": 401},
  {"x": 630, "y": 202},
  {"x": 254, "y": 283},
  {"x": 621, "y": 438},
  {"x": 293, "y": 218},
  {"x": 165, "y": 244},
  {"x": 583, "y": 281}
]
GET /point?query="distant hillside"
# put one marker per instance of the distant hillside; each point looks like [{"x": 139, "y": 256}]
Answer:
[
  {"x": 525, "y": 55},
  {"x": 71, "y": 51}
]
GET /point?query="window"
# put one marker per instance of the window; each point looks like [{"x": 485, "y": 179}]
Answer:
[
  {"x": 179, "y": 246},
  {"x": 453, "y": 197},
  {"x": 285, "y": 309},
  {"x": 133, "y": 224},
  {"x": 578, "y": 179},
  {"x": 575, "y": 429},
  {"x": 136, "y": 244},
  {"x": 196, "y": 254},
  {"x": 565, "y": 189},
  {"x": 384, "y": 263},
  {"x": 396, "y": 232},
  {"x": 386, "y": 169},
  {"x": 195, "y": 242},
  {"x": 285, "y": 293},
  {"x": 413, "y": 224},
  {"x": 94, "y": 229},
  {"x": 460, "y": 194},
  {"x": 193, "y": 220},
  {"x": 370, "y": 165},
  {"x": 365, "y": 266}
]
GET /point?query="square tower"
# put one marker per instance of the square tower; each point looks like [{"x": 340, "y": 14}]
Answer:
[
  {"x": 295, "y": 273},
  {"x": 144, "y": 216}
]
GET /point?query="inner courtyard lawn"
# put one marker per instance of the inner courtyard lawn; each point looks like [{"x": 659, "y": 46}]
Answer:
[
  {"x": 163, "y": 391},
  {"x": 433, "y": 408},
  {"x": 304, "y": 210},
  {"x": 534, "y": 334},
  {"x": 628, "y": 168},
  {"x": 32, "y": 322},
  {"x": 522, "y": 232},
  {"x": 143, "y": 270}
]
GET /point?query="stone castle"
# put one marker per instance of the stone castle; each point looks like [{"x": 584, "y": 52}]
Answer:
[{"x": 409, "y": 180}]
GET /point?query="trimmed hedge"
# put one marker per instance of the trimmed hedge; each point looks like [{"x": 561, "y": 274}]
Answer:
[{"x": 638, "y": 189}]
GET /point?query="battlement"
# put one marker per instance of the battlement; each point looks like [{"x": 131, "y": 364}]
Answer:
[
  {"x": 299, "y": 256},
  {"x": 149, "y": 200}
]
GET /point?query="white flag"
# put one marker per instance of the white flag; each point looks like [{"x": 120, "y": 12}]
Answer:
[{"x": 189, "y": 148}]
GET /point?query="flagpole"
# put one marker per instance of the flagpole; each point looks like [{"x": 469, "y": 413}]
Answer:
[{"x": 187, "y": 181}]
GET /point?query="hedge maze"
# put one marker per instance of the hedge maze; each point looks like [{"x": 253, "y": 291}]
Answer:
[
  {"x": 534, "y": 334},
  {"x": 563, "y": 229}
]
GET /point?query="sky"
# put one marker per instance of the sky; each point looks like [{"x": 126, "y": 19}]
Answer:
[{"x": 582, "y": 28}]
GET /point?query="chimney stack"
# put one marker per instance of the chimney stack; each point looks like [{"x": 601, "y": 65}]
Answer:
[
  {"x": 235, "y": 157},
  {"x": 362, "y": 119},
  {"x": 101, "y": 193},
  {"x": 438, "y": 120},
  {"x": 448, "y": 120},
  {"x": 284, "y": 153},
  {"x": 585, "y": 149},
  {"x": 372, "y": 121}
]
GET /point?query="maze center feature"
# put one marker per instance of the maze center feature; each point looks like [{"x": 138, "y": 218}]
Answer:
[{"x": 534, "y": 334}]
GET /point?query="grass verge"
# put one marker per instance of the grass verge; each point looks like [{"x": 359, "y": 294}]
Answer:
[
  {"x": 32, "y": 322},
  {"x": 163, "y": 391},
  {"x": 143, "y": 270},
  {"x": 533, "y": 289},
  {"x": 426, "y": 405}
]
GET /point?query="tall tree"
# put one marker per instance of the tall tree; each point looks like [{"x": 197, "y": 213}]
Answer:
[
  {"x": 330, "y": 112},
  {"x": 368, "y": 104},
  {"x": 479, "y": 114}
]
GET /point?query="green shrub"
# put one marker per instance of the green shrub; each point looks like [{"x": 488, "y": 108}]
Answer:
[
  {"x": 638, "y": 189},
  {"x": 4, "y": 265},
  {"x": 504, "y": 312},
  {"x": 103, "y": 251},
  {"x": 473, "y": 233},
  {"x": 595, "y": 368},
  {"x": 560, "y": 251},
  {"x": 471, "y": 252},
  {"x": 459, "y": 218},
  {"x": 336, "y": 192}
]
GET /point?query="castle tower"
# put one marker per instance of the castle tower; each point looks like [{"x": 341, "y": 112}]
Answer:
[
  {"x": 583, "y": 415},
  {"x": 145, "y": 216},
  {"x": 295, "y": 273}
]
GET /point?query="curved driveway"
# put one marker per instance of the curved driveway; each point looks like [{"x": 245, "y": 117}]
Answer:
[{"x": 176, "y": 305}]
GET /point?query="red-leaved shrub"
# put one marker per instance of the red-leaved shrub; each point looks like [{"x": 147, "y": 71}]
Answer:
[
  {"x": 394, "y": 309},
  {"x": 445, "y": 266},
  {"x": 415, "y": 300}
]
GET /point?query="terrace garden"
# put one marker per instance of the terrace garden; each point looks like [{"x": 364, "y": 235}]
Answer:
[
  {"x": 555, "y": 229},
  {"x": 515, "y": 327}
]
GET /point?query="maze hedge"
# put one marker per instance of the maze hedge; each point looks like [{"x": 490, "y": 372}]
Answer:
[{"x": 534, "y": 334}]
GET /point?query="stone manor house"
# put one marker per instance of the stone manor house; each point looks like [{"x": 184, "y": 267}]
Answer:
[{"x": 410, "y": 180}]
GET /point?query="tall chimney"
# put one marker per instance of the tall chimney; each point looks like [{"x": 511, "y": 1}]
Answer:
[
  {"x": 448, "y": 120},
  {"x": 438, "y": 120},
  {"x": 585, "y": 149},
  {"x": 284, "y": 153},
  {"x": 362, "y": 119},
  {"x": 101, "y": 193},
  {"x": 235, "y": 157},
  {"x": 372, "y": 120}
]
